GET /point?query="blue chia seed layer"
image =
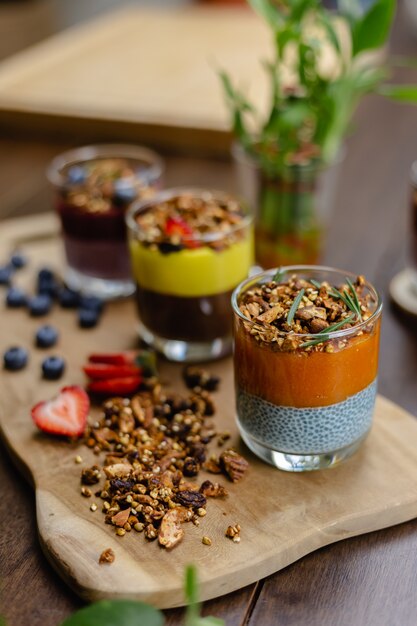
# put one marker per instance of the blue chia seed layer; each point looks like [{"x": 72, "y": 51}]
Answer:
[{"x": 314, "y": 430}]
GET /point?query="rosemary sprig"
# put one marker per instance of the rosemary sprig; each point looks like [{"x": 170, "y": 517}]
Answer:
[
  {"x": 294, "y": 306},
  {"x": 355, "y": 297},
  {"x": 279, "y": 275},
  {"x": 348, "y": 300},
  {"x": 315, "y": 283},
  {"x": 326, "y": 331}
]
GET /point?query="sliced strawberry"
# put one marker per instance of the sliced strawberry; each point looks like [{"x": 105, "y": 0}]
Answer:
[
  {"x": 175, "y": 226},
  {"x": 66, "y": 414},
  {"x": 145, "y": 360},
  {"x": 114, "y": 358},
  {"x": 115, "y": 386},
  {"x": 102, "y": 371}
]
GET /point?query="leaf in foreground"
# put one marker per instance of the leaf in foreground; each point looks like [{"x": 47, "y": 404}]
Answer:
[{"x": 116, "y": 613}]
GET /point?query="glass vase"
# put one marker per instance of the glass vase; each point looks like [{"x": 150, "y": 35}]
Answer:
[{"x": 291, "y": 208}]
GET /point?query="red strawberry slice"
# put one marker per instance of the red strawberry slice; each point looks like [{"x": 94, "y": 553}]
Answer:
[
  {"x": 102, "y": 371},
  {"x": 175, "y": 226},
  {"x": 66, "y": 414},
  {"x": 114, "y": 358},
  {"x": 115, "y": 386},
  {"x": 145, "y": 360}
]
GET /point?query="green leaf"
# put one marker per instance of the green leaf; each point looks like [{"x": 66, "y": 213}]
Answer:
[
  {"x": 372, "y": 30},
  {"x": 192, "y": 613},
  {"x": 294, "y": 306},
  {"x": 116, "y": 613},
  {"x": 400, "y": 93},
  {"x": 268, "y": 12},
  {"x": 2, "y": 621}
]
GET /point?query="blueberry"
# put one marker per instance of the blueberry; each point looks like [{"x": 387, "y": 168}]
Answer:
[
  {"x": 88, "y": 318},
  {"x": 91, "y": 303},
  {"x": 48, "y": 288},
  {"x": 68, "y": 299},
  {"x": 18, "y": 260},
  {"x": 45, "y": 274},
  {"x": 76, "y": 175},
  {"x": 124, "y": 191},
  {"x": 5, "y": 275},
  {"x": 15, "y": 358},
  {"x": 16, "y": 298},
  {"x": 53, "y": 367},
  {"x": 40, "y": 305},
  {"x": 46, "y": 336}
]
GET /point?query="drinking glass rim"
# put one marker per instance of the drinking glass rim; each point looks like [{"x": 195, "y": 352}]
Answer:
[
  {"x": 167, "y": 194},
  {"x": 299, "y": 268},
  {"x": 102, "y": 151}
]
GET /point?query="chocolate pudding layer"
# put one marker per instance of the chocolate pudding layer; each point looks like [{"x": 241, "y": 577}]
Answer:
[{"x": 194, "y": 319}]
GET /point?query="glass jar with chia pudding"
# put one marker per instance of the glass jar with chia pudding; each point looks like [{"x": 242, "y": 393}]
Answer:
[
  {"x": 94, "y": 186},
  {"x": 190, "y": 248},
  {"x": 306, "y": 360}
]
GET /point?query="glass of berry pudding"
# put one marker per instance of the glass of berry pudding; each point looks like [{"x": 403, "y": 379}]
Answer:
[
  {"x": 190, "y": 248},
  {"x": 306, "y": 360},
  {"x": 94, "y": 186}
]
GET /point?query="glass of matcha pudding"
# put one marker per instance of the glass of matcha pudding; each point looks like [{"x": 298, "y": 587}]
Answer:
[
  {"x": 93, "y": 188},
  {"x": 189, "y": 248},
  {"x": 306, "y": 360}
]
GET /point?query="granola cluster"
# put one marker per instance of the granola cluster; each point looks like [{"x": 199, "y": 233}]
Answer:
[
  {"x": 282, "y": 311},
  {"x": 155, "y": 446},
  {"x": 189, "y": 221},
  {"x": 98, "y": 186}
]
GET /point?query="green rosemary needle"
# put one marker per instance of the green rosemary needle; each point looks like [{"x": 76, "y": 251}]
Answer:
[
  {"x": 279, "y": 275},
  {"x": 294, "y": 306},
  {"x": 325, "y": 332},
  {"x": 355, "y": 297},
  {"x": 315, "y": 283}
]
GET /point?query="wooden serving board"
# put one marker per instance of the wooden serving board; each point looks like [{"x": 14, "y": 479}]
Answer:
[
  {"x": 283, "y": 516},
  {"x": 139, "y": 73}
]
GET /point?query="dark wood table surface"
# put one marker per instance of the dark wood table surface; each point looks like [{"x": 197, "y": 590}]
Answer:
[{"x": 365, "y": 581}]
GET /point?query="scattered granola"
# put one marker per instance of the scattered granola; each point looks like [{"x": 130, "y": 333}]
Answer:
[
  {"x": 188, "y": 220},
  {"x": 155, "y": 445},
  {"x": 233, "y": 533},
  {"x": 196, "y": 377},
  {"x": 286, "y": 308},
  {"x": 206, "y": 541},
  {"x": 107, "y": 556}
]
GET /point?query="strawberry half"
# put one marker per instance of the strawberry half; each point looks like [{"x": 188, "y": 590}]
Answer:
[
  {"x": 114, "y": 358},
  {"x": 115, "y": 386},
  {"x": 66, "y": 414},
  {"x": 102, "y": 371},
  {"x": 175, "y": 226},
  {"x": 144, "y": 360}
]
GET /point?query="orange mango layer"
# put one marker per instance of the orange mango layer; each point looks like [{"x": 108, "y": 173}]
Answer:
[{"x": 301, "y": 379}]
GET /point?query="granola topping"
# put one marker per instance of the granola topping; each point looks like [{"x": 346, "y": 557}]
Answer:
[
  {"x": 188, "y": 221},
  {"x": 149, "y": 475},
  {"x": 284, "y": 309},
  {"x": 102, "y": 185}
]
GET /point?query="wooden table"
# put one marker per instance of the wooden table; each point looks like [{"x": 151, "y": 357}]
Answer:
[{"x": 366, "y": 581}]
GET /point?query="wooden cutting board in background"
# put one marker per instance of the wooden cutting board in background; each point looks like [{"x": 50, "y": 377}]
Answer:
[
  {"x": 139, "y": 73},
  {"x": 283, "y": 516}
]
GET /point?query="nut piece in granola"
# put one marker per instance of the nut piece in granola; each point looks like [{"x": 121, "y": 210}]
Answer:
[
  {"x": 170, "y": 531},
  {"x": 213, "y": 490},
  {"x": 233, "y": 464},
  {"x": 233, "y": 533},
  {"x": 107, "y": 556}
]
